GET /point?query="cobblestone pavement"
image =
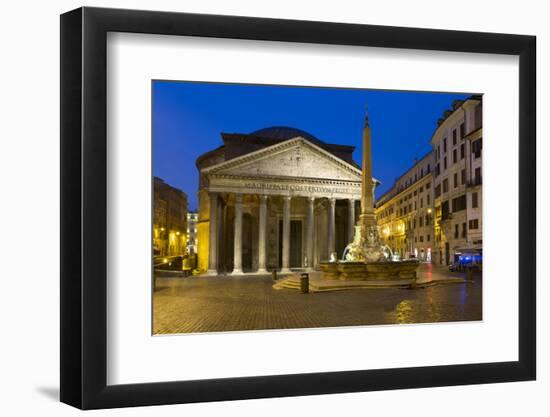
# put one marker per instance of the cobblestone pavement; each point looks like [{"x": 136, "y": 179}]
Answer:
[{"x": 215, "y": 304}]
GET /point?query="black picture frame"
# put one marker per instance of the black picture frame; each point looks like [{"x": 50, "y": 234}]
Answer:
[{"x": 84, "y": 207}]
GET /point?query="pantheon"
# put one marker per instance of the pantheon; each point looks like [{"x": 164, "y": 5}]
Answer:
[{"x": 275, "y": 199}]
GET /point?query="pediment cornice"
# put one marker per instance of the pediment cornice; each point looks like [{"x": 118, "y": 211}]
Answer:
[{"x": 343, "y": 168}]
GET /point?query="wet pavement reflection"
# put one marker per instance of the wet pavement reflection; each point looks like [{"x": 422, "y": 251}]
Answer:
[{"x": 217, "y": 304}]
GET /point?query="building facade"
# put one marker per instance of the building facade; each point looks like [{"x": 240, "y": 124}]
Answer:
[
  {"x": 405, "y": 213},
  {"x": 457, "y": 149},
  {"x": 169, "y": 219},
  {"x": 192, "y": 219},
  {"x": 278, "y": 198}
]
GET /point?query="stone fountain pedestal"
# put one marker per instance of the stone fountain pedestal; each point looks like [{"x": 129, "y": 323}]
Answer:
[{"x": 370, "y": 271}]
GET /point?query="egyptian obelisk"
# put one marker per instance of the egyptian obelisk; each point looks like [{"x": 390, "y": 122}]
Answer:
[{"x": 367, "y": 217}]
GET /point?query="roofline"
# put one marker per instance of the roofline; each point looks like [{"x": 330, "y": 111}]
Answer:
[
  {"x": 413, "y": 165},
  {"x": 473, "y": 97},
  {"x": 206, "y": 154},
  {"x": 316, "y": 141},
  {"x": 399, "y": 193}
]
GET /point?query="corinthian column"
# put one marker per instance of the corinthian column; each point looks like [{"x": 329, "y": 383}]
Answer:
[
  {"x": 262, "y": 233},
  {"x": 309, "y": 231},
  {"x": 351, "y": 219},
  {"x": 213, "y": 236},
  {"x": 237, "y": 244},
  {"x": 331, "y": 226},
  {"x": 286, "y": 235}
]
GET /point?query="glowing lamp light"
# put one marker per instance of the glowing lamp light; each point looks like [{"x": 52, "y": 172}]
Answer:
[{"x": 429, "y": 210}]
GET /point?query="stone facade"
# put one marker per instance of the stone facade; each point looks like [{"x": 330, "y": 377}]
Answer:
[
  {"x": 405, "y": 213},
  {"x": 277, "y": 199},
  {"x": 434, "y": 210},
  {"x": 192, "y": 219},
  {"x": 457, "y": 147},
  {"x": 169, "y": 219}
]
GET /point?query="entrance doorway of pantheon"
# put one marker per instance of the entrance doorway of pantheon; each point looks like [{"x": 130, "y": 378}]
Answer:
[{"x": 295, "y": 258}]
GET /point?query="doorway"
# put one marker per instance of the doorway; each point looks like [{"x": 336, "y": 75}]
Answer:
[{"x": 295, "y": 255}]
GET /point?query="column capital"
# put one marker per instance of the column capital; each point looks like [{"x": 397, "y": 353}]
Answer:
[
  {"x": 287, "y": 197},
  {"x": 263, "y": 197},
  {"x": 332, "y": 200},
  {"x": 310, "y": 199},
  {"x": 238, "y": 198}
]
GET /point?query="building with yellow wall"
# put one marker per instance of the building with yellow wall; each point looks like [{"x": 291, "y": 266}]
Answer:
[
  {"x": 405, "y": 212},
  {"x": 169, "y": 219}
]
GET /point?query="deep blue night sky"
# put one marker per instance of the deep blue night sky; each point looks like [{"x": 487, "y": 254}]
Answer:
[{"x": 189, "y": 117}]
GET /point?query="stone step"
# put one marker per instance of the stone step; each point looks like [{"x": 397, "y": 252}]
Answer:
[{"x": 321, "y": 285}]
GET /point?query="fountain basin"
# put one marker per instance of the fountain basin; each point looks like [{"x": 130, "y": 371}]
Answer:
[
  {"x": 370, "y": 271},
  {"x": 329, "y": 270}
]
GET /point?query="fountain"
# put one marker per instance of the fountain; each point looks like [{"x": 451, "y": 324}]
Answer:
[{"x": 365, "y": 258}]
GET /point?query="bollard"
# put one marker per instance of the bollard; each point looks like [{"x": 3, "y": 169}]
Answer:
[
  {"x": 304, "y": 283},
  {"x": 469, "y": 274},
  {"x": 274, "y": 275}
]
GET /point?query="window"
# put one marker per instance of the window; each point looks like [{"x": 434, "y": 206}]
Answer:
[
  {"x": 456, "y": 231},
  {"x": 455, "y": 180},
  {"x": 445, "y": 210},
  {"x": 437, "y": 192},
  {"x": 414, "y": 223},
  {"x": 427, "y": 238},
  {"x": 421, "y": 172},
  {"x": 437, "y": 171},
  {"x": 464, "y": 230},
  {"x": 444, "y": 163},
  {"x": 428, "y": 199},
  {"x": 462, "y": 130},
  {"x": 421, "y": 203},
  {"x": 474, "y": 200},
  {"x": 445, "y": 185},
  {"x": 428, "y": 185},
  {"x": 477, "y": 177},
  {"x": 415, "y": 205},
  {"x": 462, "y": 151},
  {"x": 427, "y": 220},
  {"x": 454, "y": 156},
  {"x": 463, "y": 177},
  {"x": 476, "y": 148},
  {"x": 454, "y": 137},
  {"x": 473, "y": 224},
  {"x": 459, "y": 203},
  {"x": 428, "y": 169},
  {"x": 422, "y": 238},
  {"x": 445, "y": 145}
]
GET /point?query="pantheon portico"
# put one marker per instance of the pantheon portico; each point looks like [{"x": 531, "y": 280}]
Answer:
[{"x": 277, "y": 198}]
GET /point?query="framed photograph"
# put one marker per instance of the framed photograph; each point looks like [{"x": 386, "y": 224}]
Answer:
[{"x": 257, "y": 208}]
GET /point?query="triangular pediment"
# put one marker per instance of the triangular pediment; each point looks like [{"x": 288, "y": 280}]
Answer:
[{"x": 296, "y": 158}]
